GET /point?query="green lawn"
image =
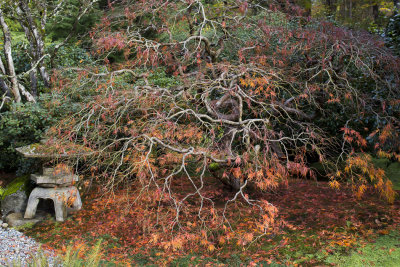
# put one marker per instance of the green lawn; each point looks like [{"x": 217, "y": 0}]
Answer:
[
  {"x": 392, "y": 170},
  {"x": 384, "y": 252}
]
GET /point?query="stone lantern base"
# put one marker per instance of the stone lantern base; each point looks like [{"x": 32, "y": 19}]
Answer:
[{"x": 62, "y": 197}]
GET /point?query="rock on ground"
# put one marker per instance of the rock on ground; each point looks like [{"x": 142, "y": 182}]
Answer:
[
  {"x": 17, "y": 219},
  {"x": 15, "y": 202}
]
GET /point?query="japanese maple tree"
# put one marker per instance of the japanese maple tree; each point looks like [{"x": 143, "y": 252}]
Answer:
[{"x": 248, "y": 91}]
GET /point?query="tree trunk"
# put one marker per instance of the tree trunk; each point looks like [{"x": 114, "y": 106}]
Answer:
[
  {"x": 4, "y": 88},
  {"x": 375, "y": 13},
  {"x": 2, "y": 68},
  {"x": 9, "y": 59},
  {"x": 3, "y": 85},
  {"x": 343, "y": 9},
  {"x": 331, "y": 7},
  {"x": 306, "y": 4},
  {"x": 45, "y": 75},
  {"x": 350, "y": 9},
  {"x": 37, "y": 42},
  {"x": 33, "y": 77},
  {"x": 32, "y": 51},
  {"x": 25, "y": 93}
]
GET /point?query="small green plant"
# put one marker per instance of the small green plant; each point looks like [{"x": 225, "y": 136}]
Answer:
[
  {"x": 93, "y": 257},
  {"x": 72, "y": 258},
  {"x": 70, "y": 55},
  {"x": 25, "y": 226},
  {"x": 159, "y": 77}
]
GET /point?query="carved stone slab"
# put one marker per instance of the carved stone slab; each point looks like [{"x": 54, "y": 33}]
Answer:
[{"x": 52, "y": 181}]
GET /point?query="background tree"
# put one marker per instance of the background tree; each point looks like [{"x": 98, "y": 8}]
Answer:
[
  {"x": 33, "y": 18},
  {"x": 366, "y": 14}
]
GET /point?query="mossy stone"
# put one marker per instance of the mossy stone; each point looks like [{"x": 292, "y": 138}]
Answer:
[
  {"x": 22, "y": 183},
  {"x": 213, "y": 166}
]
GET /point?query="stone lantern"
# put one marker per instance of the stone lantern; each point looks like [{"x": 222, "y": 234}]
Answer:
[{"x": 55, "y": 183}]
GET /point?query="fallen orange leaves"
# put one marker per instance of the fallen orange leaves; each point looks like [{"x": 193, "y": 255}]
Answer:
[{"x": 320, "y": 215}]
